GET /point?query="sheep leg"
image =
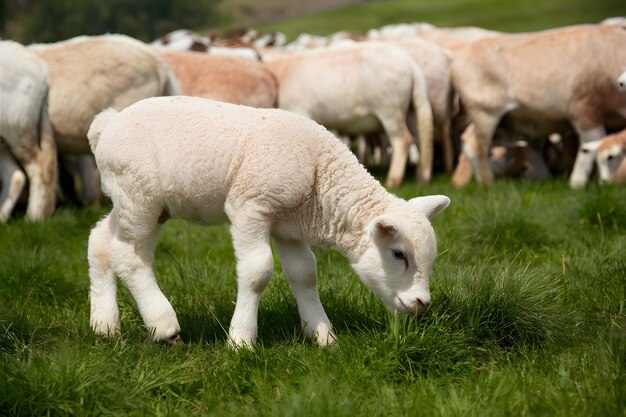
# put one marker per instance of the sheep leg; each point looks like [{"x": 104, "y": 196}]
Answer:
[
  {"x": 400, "y": 139},
  {"x": 13, "y": 181},
  {"x": 40, "y": 167},
  {"x": 448, "y": 146},
  {"x": 89, "y": 181},
  {"x": 131, "y": 253},
  {"x": 585, "y": 158},
  {"x": 105, "y": 317},
  {"x": 255, "y": 265},
  {"x": 462, "y": 173},
  {"x": 476, "y": 144},
  {"x": 300, "y": 268}
]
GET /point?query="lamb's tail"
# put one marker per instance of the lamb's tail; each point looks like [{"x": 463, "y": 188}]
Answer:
[
  {"x": 424, "y": 119},
  {"x": 100, "y": 122}
]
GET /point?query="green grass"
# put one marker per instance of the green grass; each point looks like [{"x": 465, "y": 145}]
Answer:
[
  {"x": 528, "y": 290},
  {"x": 528, "y": 318},
  {"x": 508, "y": 15}
]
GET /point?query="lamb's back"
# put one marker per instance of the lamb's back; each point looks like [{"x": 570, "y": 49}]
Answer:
[{"x": 195, "y": 150}]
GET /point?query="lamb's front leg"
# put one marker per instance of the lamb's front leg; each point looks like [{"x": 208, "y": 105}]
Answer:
[
  {"x": 255, "y": 265},
  {"x": 300, "y": 268}
]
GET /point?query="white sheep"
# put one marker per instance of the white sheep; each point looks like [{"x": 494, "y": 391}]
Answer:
[
  {"x": 269, "y": 173},
  {"x": 91, "y": 73},
  {"x": 26, "y": 130},
  {"x": 361, "y": 88}
]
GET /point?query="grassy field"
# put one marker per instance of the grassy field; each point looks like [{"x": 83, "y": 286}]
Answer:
[
  {"x": 507, "y": 15},
  {"x": 527, "y": 319},
  {"x": 528, "y": 300}
]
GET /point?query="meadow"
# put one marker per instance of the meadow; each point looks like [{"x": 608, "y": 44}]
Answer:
[
  {"x": 528, "y": 318},
  {"x": 528, "y": 313}
]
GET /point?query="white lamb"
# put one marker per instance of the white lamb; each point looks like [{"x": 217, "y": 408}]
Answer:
[{"x": 269, "y": 173}]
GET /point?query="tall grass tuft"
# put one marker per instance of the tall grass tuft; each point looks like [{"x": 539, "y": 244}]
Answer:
[
  {"x": 513, "y": 306},
  {"x": 604, "y": 206}
]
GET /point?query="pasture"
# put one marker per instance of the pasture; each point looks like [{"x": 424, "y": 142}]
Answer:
[
  {"x": 528, "y": 313},
  {"x": 527, "y": 318}
]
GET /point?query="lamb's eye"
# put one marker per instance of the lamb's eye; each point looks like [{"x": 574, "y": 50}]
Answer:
[
  {"x": 398, "y": 254},
  {"x": 610, "y": 157}
]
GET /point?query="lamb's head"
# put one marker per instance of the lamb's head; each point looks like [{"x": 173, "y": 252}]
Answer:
[{"x": 400, "y": 249}]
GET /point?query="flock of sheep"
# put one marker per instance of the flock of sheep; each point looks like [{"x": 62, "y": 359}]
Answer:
[
  {"x": 452, "y": 89},
  {"x": 457, "y": 99}
]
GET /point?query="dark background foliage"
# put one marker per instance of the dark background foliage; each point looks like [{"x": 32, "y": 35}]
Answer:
[{"x": 53, "y": 20}]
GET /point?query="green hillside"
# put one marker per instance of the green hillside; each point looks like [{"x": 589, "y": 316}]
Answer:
[{"x": 508, "y": 15}]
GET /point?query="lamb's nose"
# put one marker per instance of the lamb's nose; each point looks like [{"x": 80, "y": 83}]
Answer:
[{"x": 422, "y": 305}]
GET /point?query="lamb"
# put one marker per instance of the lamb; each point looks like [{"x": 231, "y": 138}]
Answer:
[
  {"x": 231, "y": 79},
  {"x": 25, "y": 129},
  {"x": 360, "y": 89},
  {"x": 270, "y": 173}
]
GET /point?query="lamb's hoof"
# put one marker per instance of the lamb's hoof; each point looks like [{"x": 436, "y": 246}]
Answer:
[
  {"x": 240, "y": 343},
  {"x": 325, "y": 337}
]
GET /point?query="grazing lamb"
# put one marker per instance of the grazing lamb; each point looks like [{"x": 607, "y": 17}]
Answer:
[
  {"x": 269, "y": 173},
  {"x": 231, "y": 79},
  {"x": 25, "y": 129},
  {"x": 610, "y": 157},
  {"x": 359, "y": 89},
  {"x": 523, "y": 76}
]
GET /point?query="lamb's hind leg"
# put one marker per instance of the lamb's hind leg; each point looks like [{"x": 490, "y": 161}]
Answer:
[
  {"x": 300, "y": 268},
  {"x": 255, "y": 265},
  {"x": 132, "y": 253},
  {"x": 105, "y": 318}
]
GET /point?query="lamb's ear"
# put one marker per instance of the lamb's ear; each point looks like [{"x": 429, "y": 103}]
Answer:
[
  {"x": 383, "y": 227},
  {"x": 430, "y": 205}
]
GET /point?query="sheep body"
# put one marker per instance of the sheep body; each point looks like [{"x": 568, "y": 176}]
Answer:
[{"x": 269, "y": 173}]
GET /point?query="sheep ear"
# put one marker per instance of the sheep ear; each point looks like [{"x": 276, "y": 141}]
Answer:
[
  {"x": 384, "y": 227},
  {"x": 430, "y": 205}
]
